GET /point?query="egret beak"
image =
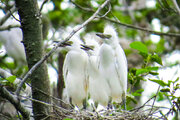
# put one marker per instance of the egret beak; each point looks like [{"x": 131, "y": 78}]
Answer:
[
  {"x": 68, "y": 43},
  {"x": 87, "y": 47},
  {"x": 101, "y": 35}
]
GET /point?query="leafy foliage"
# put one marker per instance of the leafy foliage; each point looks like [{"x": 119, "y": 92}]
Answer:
[{"x": 139, "y": 46}]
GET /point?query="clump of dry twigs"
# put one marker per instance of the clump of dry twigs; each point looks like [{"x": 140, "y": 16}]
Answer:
[{"x": 144, "y": 112}]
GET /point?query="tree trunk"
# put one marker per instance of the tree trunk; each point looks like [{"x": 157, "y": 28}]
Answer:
[
  {"x": 30, "y": 18},
  {"x": 60, "y": 84}
]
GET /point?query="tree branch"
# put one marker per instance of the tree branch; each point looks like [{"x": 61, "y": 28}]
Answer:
[
  {"x": 58, "y": 45},
  {"x": 128, "y": 25},
  {"x": 9, "y": 27},
  {"x": 176, "y": 6},
  {"x": 7, "y": 95},
  {"x": 140, "y": 28},
  {"x": 8, "y": 14},
  {"x": 44, "y": 2},
  {"x": 5, "y": 74}
]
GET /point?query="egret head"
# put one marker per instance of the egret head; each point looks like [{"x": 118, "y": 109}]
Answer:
[
  {"x": 109, "y": 36},
  {"x": 105, "y": 37},
  {"x": 109, "y": 29},
  {"x": 91, "y": 44}
]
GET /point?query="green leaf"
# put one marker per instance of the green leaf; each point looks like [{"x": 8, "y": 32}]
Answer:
[
  {"x": 130, "y": 97},
  {"x": 136, "y": 94},
  {"x": 160, "y": 46},
  {"x": 177, "y": 87},
  {"x": 139, "y": 46},
  {"x": 153, "y": 73},
  {"x": 140, "y": 90},
  {"x": 165, "y": 90},
  {"x": 11, "y": 79},
  {"x": 146, "y": 70},
  {"x": 160, "y": 96},
  {"x": 169, "y": 82},
  {"x": 160, "y": 82},
  {"x": 67, "y": 119},
  {"x": 141, "y": 71},
  {"x": 176, "y": 80},
  {"x": 157, "y": 59}
]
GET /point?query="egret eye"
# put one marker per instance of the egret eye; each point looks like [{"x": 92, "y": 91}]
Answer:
[{"x": 104, "y": 36}]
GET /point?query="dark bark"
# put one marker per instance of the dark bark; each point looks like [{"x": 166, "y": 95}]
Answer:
[
  {"x": 30, "y": 18},
  {"x": 60, "y": 84}
]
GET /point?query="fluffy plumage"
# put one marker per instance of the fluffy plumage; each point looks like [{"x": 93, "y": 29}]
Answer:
[
  {"x": 75, "y": 75},
  {"x": 113, "y": 64}
]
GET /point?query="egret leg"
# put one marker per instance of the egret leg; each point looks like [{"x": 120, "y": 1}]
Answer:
[
  {"x": 94, "y": 106},
  {"x": 124, "y": 101},
  {"x": 71, "y": 105},
  {"x": 84, "y": 104},
  {"x": 110, "y": 104}
]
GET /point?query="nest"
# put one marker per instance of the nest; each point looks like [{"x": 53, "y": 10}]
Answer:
[{"x": 110, "y": 114}]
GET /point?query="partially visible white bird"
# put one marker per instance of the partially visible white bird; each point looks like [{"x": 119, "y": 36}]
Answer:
[
  {"x": 12, "y": 41},
  {"x": 98, "y": 87},
  {"x": 91, "y": 40},
  {"x": 75, "y": 74},
  {"x": 113, "y": 64}
]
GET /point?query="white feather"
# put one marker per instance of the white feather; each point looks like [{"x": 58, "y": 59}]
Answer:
[
  {"x": 114, "y": 64},
  {"x": 75, "y": 75},
  {"x": 98, "y": 87}
]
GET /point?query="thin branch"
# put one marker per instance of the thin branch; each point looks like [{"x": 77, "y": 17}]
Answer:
[
  {"x": 109, "y": 10},
  {"x": 129, "y": 25},
  {"x": 4, "y": 74},
  {"x": 142, "y": 29},
  {"x": 160, "y": 4},
  {"x": 176, "y": 6},
  {"x": 83, "y": 8},
  {"x": 154, "y": 100},
  {"x": 9, "y": 27},
  {"x": 7, "y": 95},
  {"x": 57, "y": 45},
  {"x": 8, "y": 14},
  {"x": 138, "y": 108},
  {"x": 44, "y": 2}
]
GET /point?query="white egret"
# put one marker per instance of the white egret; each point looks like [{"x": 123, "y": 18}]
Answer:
[
  {"x": 12, "y": 41},
  {"x": 113, "y": 64},
  {"x": 98, "y": 87},
  {"x": 75, "y": 74}
]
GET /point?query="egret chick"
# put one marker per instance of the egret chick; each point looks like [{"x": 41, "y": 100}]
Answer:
[
  {"x": 113, "y": 61},
  {"x": 75, "y": 74},
  {"x": 98, "y": 87}
]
